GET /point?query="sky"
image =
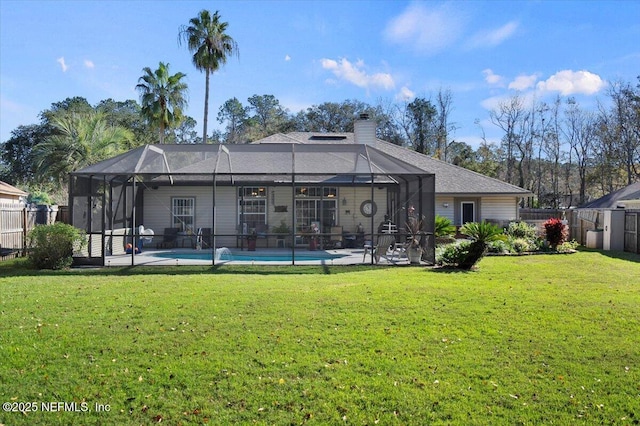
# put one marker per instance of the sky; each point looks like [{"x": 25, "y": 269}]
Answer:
[{"x": 309, "y": 52}]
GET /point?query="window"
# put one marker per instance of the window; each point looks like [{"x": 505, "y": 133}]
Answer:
[
  {"x": 183, "y": 212},
  {"x": 316, "y": 191},
  {"x": 316, "y": 204},
  {"x": 252, "y": 208}
]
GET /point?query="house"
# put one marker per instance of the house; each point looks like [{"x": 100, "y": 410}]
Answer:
[
  {"x": 11, "y": 195},
  {"x": 460, "y": 194},
  {"x": 627, "y": 197},
  {"x": 336, "y": 190}
]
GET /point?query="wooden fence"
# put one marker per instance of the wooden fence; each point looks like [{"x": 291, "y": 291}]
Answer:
[
  {"x": 16, "y": 221},
  {"x": 579, "y": 221}
]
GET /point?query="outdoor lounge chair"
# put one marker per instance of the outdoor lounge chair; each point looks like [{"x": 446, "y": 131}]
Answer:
[{"x": 386, "y": 243}]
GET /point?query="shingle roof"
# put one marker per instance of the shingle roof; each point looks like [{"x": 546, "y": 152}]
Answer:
[
  {"x": 610, "y": 201},
  {"x": 7, "y": 189},
  {"x": 450, "y": 179}
]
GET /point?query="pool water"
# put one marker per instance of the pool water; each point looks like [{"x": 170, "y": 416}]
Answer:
[{"x": 251, "y": 256}]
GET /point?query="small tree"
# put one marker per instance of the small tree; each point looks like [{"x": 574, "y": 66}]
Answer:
[
  {"x": 52, "y": 246},
  {"x": 556, "y": 232},
  {"x": 481, "y": 234}
]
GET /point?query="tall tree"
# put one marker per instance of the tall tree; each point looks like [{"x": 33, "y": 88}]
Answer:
[
  {"x": 509, "y": 117},
  {"x": 579, "y": 133},
  {"x": 17, "y": 153},
  {"x": 268, "y": 116},
  {"x": 69, "y": 106},
  {"x": 126, "y": 114},
  {"x": 444, "y": 101},
  {"x": 419, "y": 125},
  {"x": 207, "y": 39},
  {"x": 163, "y": 97},
  {"x": 235, "y": 115}
]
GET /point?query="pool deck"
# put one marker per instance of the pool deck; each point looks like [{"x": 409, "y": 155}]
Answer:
[{"x": 171, "y": 257}]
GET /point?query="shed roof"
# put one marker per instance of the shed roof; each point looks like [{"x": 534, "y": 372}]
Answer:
[{"x": 7, "y": 189}]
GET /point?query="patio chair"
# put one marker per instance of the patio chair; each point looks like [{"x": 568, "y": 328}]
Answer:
[
  {"x": 336, "y": 237},
  {"x": 169, "y": 238},
  {"x": 381, "y": 249}
]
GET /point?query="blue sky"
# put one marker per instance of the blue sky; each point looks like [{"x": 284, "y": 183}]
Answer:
[{"x": 310, "y": 52}]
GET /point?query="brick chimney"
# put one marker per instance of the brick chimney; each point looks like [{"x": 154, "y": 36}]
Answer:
[{"x": 365, "y": 130}]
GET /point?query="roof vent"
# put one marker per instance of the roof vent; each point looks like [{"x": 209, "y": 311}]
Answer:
[{"x": 364, "y": 116}]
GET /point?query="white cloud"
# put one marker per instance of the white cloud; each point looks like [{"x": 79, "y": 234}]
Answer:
[
  {"x": 491, "y": 78},
  {"x": 569, "y": 82},
  {"x": 428, "y": 30},
  {"x": 287, "y": 58},
  {"x": 89, "y": 64},
  {"x": 523, "y": 82},
  {"x": 405, "y": 94},
  {"x": 62, "y": 63},
  {"x": 491, "y": 38},
  {"x": 356, "y": 74}
]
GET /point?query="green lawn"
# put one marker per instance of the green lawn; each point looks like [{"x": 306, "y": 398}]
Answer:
[{"x": 523, "y": 340}]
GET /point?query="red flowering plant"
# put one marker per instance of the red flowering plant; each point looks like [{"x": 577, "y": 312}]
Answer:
[{"x": 556, "y": 232}]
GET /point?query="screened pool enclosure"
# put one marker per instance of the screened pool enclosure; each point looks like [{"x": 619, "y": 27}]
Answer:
[{"x": 292, "y": 197}]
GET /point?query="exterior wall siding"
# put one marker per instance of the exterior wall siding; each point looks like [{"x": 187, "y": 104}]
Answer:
[
  {"x": 157, "y": 209},
  {"x": 499, "y": 208},
  {"x": 447, "y": 211}
]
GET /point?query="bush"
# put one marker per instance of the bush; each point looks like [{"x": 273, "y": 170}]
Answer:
[
  {"x": 522, "y": 230},
  {"x": 498, "y": 246},
  {"x": 39, "y": 197},
  {"x": 443, "y": 227},
  {"x": 52, "y": 246},
  {"x": 522, "y": 245},
  {"x": 568, "y": 246},
  {"x": 556, "y": 232},
  {"x": 452, "y": 254}
]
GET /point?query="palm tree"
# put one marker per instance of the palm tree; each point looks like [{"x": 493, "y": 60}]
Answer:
[
  {"x": 78, "y": 140},
  {"x": 206, "y": 38},
  {"x": 163, "y": 97}
]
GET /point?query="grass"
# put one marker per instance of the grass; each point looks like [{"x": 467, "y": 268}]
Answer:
[{"x": 524, "y": 340}]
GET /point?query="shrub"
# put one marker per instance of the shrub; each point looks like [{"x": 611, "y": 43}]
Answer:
[
  {"x": 568, "y": 246},
  {"x": 39, "y": 197},
  {"x": 443, "y": 227},
  {"x": 522, "y": 230},
  {"x": 498, "y": 246},
  {"x": 52, "y": 246},
  {"x": 452, "y": 254},
  {"x": 555, "y": 232},
  {"x": 521, "y": 245}
]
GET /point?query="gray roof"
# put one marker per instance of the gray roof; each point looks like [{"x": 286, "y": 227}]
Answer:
[
  {"x": 302, "y": 153},
  {"x": 611, "y": 201},
  {"x": 450, "y": 179},
  {"x": 354, "y": 163}
]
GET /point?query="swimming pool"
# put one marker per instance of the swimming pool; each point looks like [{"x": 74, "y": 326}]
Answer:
[{"x": 251, "y": 256}]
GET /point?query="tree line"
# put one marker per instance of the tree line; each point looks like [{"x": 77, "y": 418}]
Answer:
[{"x": 561, "y": 152}]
